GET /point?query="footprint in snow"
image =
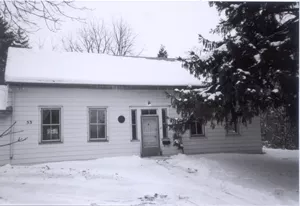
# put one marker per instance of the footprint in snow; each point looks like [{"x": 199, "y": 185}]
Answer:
[{"x": 190, "y": 170}]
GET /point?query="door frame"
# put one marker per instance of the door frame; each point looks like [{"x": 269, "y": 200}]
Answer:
[{"x": 158, "y": 133}]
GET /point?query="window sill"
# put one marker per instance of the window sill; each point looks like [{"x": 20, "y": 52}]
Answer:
[
  {"x": 198, "y": 136},
  {"x": 135, "y": 140},
  {"x": 98, "y": 140},
  {"x": 51, "y": 142},
  {"x": 233, "y": 135}
]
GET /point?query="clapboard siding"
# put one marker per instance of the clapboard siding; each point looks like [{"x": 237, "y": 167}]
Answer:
[
  {"x": 216, "y": 140},
  {"x": 74, "y": 103},
  {"x": 5, "y": 122}
]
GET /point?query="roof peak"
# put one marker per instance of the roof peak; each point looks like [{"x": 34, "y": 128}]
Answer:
[{"x": 93, "y": 53}]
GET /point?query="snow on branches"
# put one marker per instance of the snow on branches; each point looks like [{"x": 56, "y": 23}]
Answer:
[{"x": 252, "y": 69}]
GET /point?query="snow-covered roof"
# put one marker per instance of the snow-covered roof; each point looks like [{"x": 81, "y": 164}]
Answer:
[{"x": 32, "y": 66}]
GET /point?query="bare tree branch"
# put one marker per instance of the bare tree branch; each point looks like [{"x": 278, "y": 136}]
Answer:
[
  {"x": 52, "y": 12},
  {"x": 18, "y": 140},
  {"x": 9, "y": 131},
  {"x": 92, "y": 38},
  {"x": 123, "y": 39},
  {"x": 6, "y": 132}
]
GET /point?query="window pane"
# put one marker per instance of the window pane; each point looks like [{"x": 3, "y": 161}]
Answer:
[
  {"x": 133, "y": 116},
  {"x": 145, "y": 112},
  {"x": 101, "y": 131},
  {"x": 101, "y": 116},
  {"x": 46, "y": 133},
  {"x": 165, "y": 131},
  {"x": 93, "y": 131},
  {"x": 55, "y": 132},
  {"x": 236, "y": 127},
  {"x": 134, "y": 132},
  {"x": 46, "y": 116},
  {"x": 55, "y": 116},
  {"x": 232, "y": 128},
  {"x": 193, "y": 128},
  {"x": 93, "y": 116},
  {"x": 152, "y": 111},
  {"x": 199, "y": 127},
  {"x": 164, "y": 119}
]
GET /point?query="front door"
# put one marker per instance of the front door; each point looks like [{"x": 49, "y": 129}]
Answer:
[{"x": 150, "y": 136}]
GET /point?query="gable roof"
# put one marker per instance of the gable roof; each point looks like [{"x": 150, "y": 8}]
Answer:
[{"x": 32, "y": 66}]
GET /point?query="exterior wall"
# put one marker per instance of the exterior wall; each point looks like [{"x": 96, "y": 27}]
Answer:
[
  {"x": 216, "y": 140},
  {"x": 5, "y": 122},
  {"x": 75, "y": 103}
]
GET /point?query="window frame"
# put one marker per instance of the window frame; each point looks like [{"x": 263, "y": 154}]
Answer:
[
  {"x": 131, "y": 125},
  {"x": 148, "y": 112},
  {"x": 235, "y": 133},
  {"x": 197, "y": 135},
  {"x": 41, "y": 109},
  {"x": 97, "y": 124},
  {"x": 165, "y": 124}
]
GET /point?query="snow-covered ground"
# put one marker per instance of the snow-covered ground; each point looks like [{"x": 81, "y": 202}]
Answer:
[{"x": 220, "y": 179}]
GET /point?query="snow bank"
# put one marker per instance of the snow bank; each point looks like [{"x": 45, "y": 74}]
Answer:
[
  {"x": 3, "y": 97},
  {"x": 31, "y": 66},
  {"x": 208, "y": 179}
]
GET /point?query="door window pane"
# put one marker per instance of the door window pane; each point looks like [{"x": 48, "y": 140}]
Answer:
[
  {"x": 134, "y": 132},
  {"x": 133, "y": 116},
  {"x": 133, "y": 125},
  {"x": 164, "y": 123},
  {"x": 152, "y": 111}
]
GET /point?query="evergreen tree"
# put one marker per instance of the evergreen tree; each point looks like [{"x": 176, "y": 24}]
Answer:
[
  {"x": 9, "y": 38},
  {"x": 254, "y": 69},
  {"x": 162, "y": 52}
]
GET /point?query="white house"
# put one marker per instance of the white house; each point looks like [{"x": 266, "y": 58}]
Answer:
[{"x": 75, "y": 106}]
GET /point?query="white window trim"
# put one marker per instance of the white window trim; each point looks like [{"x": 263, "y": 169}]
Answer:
[
  {"x": 198, "y": 135},
  {"x": 136, "y": 125},
  {"x": 40, "y": 133},
  {"x": 88, "y": 124},
  {"x": 237, "y": 133}
]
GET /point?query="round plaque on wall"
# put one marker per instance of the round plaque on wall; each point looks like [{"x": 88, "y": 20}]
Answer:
[{"x": 121, "y": 119}]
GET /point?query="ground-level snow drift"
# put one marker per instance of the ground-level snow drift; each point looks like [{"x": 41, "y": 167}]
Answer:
[{"x": 208, "y": 179}]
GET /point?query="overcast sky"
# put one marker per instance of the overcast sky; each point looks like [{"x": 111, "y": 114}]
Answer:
[{"x": 176, "y": 25}]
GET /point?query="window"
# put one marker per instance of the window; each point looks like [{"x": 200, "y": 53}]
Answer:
[
  {"x": 97, "y": 124},
  {"x": 148, "y": 111},
  {"x": 233, "y": 128},
  {"x": 51, "y": 125},
  {"x": 164, "y": 123},
  {"x": 133, "y": 124},
  {"x": 197, "y": 128}
]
